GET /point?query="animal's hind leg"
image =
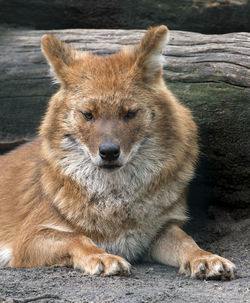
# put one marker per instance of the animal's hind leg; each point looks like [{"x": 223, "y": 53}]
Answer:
[{"x": 50, "y": 247}]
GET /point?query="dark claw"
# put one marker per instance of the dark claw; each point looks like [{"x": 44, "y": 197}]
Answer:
[
  {"x": 202, "y": 267},
  {"x": 186, "y": 266},
  {"x": 101, "y": 268}
]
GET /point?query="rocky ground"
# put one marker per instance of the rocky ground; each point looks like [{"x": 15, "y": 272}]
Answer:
[{"x": 148, "y": 283}]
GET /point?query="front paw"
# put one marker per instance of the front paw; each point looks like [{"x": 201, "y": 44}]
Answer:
[
  {"x": 103, "y": 264},
  {"x": 204, "y": 265}
]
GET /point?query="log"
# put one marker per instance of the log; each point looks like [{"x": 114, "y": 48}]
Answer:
[
  {"x": 206, "y": 16},
  {"x": 208, "y": 73}
]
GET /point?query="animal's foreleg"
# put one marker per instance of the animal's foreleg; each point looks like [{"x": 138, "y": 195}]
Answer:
[
  {"x": 50, "y": 247},
  {"x": 174, "y": 247}
]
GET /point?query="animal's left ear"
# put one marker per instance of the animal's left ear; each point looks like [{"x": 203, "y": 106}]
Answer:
[
  {"x": 60, "y": 56},
  {"x": 148, "y": 54}
]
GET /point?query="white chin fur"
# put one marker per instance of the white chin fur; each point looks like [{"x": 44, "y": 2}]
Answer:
[{"x": 130, "y": 180}]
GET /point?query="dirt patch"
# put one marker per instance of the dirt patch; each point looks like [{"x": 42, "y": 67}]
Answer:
[{"x": 148, "y": 283}]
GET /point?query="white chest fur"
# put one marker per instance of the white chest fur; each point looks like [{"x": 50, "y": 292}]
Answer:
[
  {"x": 147, "y": 213},
  {"x": 124, "y": 193}
]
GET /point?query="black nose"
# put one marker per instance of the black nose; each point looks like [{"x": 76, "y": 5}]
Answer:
[{"x": 109, "y": 151}]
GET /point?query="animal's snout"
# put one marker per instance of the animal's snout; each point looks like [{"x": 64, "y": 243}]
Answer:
[{"x": 109, "y": 151}]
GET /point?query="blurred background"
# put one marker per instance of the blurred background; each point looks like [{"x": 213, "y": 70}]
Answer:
[{"x": 203, "y": 16}]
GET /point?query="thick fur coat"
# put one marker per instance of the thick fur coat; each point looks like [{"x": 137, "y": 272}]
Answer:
[{"x": 105, "y": 182}]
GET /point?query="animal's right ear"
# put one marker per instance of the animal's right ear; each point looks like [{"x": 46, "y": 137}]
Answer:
[
  {"x": 60, "y": 57},
  {"x": 148, "y": 56}
]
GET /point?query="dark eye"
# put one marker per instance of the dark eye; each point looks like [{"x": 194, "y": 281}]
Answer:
[
  {"x": 130, "y": 115},
  {"x": 88, "y": 117}
]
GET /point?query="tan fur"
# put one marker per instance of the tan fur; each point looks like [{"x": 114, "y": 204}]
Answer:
[{"x": 60, "y": 204}]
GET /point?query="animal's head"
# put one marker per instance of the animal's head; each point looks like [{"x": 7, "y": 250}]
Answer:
[{"x": 108, "y": 106}]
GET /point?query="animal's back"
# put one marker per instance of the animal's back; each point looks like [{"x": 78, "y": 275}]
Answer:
[{"x": 19, "y": 181}]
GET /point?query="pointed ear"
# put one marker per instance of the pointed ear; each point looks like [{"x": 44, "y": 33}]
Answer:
[
  {"x": 148, "y": 54},
  {"x": 60, "y": 57}
]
